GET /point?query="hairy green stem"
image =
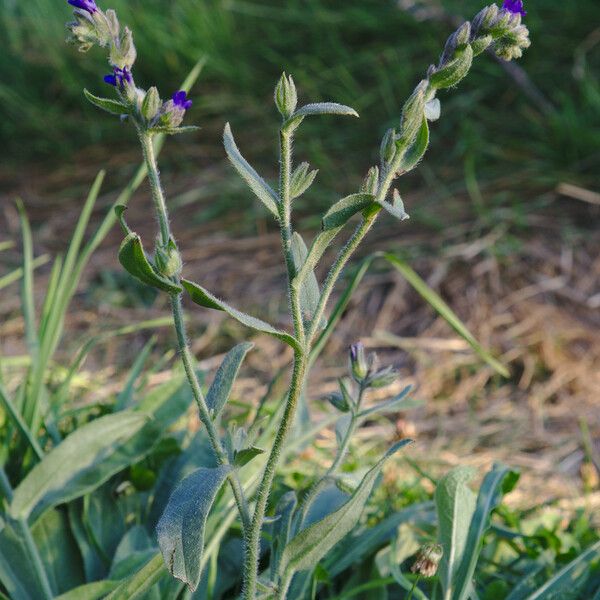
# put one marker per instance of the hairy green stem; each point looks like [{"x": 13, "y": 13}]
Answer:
[
  {"x": 262, "y": 497},
  {"x": 184, "y": 349},
  {"x": 285, "y": 218}
]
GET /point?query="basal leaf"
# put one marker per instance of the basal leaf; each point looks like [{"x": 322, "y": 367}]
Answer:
[
  {"x": 134, "y": 260},
  {"x": 455, "y": 503},
  {"x": 80, "y": 463},
  {"x": 499, "y": 480},
  {"x": 181, "y": 527},
  {"x": 219, "y": 391},
  {"x": 256, "y": 183},
  {"x": 204, "y": 298},
  {"x": 114, "y": 107},
  {"x": 309, "y": 546}
]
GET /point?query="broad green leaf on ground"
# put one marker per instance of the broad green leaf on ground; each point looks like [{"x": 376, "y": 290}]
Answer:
[
  {"x": 569, "y": 577},
  {"x": 455, "y": 503},
  {"x": 182, "y": 526},
  {"x": 81, "y": 463},
  {"x": 219, "y": 391},
  {"x": 204, "y": 298},
  {"x": 257, "y": 184},
  {"x": 90, "y": 591},
  {"x": 309, "y": 546},
  {"x": 497, "y": 482}
]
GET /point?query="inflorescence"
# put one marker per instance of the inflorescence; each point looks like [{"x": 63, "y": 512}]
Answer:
[{"x": 93, "y": 27}]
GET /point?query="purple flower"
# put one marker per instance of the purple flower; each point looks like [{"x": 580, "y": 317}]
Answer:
[
  {"x": 119, "y": 77},
  {"x": 87, "y": 5},
  {"x": 513, "y": 6},
  {"x": 180, "y": 100}
]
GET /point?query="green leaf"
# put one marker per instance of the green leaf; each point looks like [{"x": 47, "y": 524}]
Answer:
[
  {"x": 257, "y": 184},
  {"x": 309, "y": 289},
  {"x": 134, "y": 260},
  {"x": 90, "y": 591},
  {"x": 79, "y": 464},
  {"x": 307, "y": 548},
  {"x": 139, "y": 583},
  {"x": 182, "y": 525},
  {"x": 325, "y": 108},
  {"x": 317, "y": 249},
  {"x": 219, "y": 391},
  {"x": 175, "y": 130},
  {"x": 455, "y": 70},
  {"x": 497, "y": 482},
  {"x": 343, "y": 210},
  {"x": 281, "y": 530},
  {"x": 455, "y": 503},
  {"x": 417, "y": 149},
  {"x": 301, "y": 180},
  {"x": 203, "y": 297},
  {"x": 436, "y": 302},
  {"x": 18, "y": 421},
  {"x": 114, "y": 107},
  {"x": 243, "y": 457},
  {"x": 399, "y": 402}
]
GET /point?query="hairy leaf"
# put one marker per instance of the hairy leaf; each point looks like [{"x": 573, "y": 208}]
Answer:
[
  {"x": 325, "y": 108},
  {"x": 81, "y": 463},
  {"x": 343, "y": 210},
  {"x": 181, "y": 527},
  {"x": 396, "y": 207},
  {"x": 399, "y": 402},
  {"x": 309, "y": 289},
  {"x": 244, "y": 456},
  {"x": 219, "y": 391},
  {"x": 455, "y": 503},
  {"x": 134, "y": 260},
  {"x": 497, "y": 482},
  {"x": 114, "y": 107},
  {"x": 307, "y": 548},
  {"x": 257, "y": 184},
  {"x": 204, "y": 298},
  {"x": 417, "y": 149}
]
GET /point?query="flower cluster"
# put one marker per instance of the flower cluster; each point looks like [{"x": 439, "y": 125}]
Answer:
[{"x": 93, "y": 26}]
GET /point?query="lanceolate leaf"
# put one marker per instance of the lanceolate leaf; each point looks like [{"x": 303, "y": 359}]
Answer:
[
  {"x": 343, "y": 210},
  {"x": 90, "y": 591},
  {"x": 181, "y": 527},
  {"x": 567, "y": 578},
  {"x": 455, "y": 503},
  {"x": 219, "y": 391},
  {"x": 325, "y": 108},
  {"x": 309, "y": 288},
  {"x": 308, "y": 547},
  {"x": 112, "y": 106},
  {"x": 79, "y": 464},
  {"x": 396, "y": 207},
  {"x": 134, "y": 260},
  {"x": 399, "y": 402},
  {"x": 204, "y": 298},
  {"x": 257, "y": 184},
  {"x": 497, "y": 482},
  {"x": 318, "y": 247}
]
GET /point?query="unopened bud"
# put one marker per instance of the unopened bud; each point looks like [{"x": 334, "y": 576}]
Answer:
[
  {"x": 412, "y": 114},
  {"x": 481, "y": 44},
  {"x": 286, "y": 97},
  {"x": 370, "y": 183},
  {"x": 456, "y": 41},
  {"x": 387, "y": 150},
  {"x": 151, "y": 104},
  {"x": 338, "y": 401},
  {"x": 428, "y": 560},
  {"x": 123, "y": 54},
  {"x": 358, "y": 362},
  {"x": 453, "y": 71},
  {"x": 168, "y": 260}
]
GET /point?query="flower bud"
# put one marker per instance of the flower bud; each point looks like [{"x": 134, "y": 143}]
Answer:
[
  {"x": 358, "y": 362},
  {"x": 82, "y": 31},
  {"x": 338, "y": 401},
  {"x": 286, "y": 97},
  {"x": 428, "y": 560},
  {"x": 112, "y": 23},
  {"x": 123, "y": 53},
  {"x": 172, "y": 112},
  {"x": 371, "y": 182},
  {"x": 453, "y": 71},
  {"x": 387, "y": 151},
  {"x": 456, "y": 41},
  {"x": 151, "y": 104},
  {"x": 382, "y": 378},
  {"x": 168, "y": 260},
  {"x": 412, "y": 114},
  {"x": 480, "y": 44},
  {"x": 484, "y": 19}
]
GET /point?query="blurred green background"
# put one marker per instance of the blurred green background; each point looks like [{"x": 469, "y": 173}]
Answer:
[{"x": 366, "y": 53}]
